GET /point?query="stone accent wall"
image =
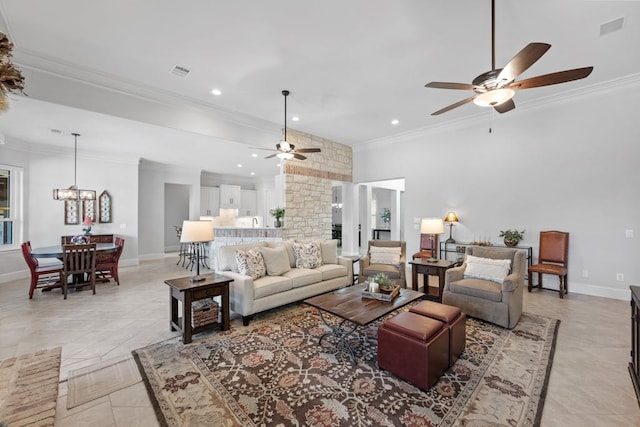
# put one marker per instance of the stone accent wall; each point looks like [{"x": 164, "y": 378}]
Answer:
[{"x": 307, "y": 185}]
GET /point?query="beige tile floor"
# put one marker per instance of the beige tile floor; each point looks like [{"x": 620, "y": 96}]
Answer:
[{"x": 589, "y": 383}]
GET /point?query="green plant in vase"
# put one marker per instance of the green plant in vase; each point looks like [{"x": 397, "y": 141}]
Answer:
[
  {"x": 512, "y": 237},
  {"x": 277, "y": 213},
  {"x": 385, "y": 285}
]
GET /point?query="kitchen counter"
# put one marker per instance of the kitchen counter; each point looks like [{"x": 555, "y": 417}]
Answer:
[{"x": 258, "y": 232}]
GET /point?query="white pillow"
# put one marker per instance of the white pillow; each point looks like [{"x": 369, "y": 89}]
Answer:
[
  {"x": 276, "y": 260},
  {"x": 385, "y": 255},
  {"x": 251, "y": 263},
  {"x": 329, "y": 250},
  {"x": 494, "y": 270},
  {"x": 308, "y": 255}
]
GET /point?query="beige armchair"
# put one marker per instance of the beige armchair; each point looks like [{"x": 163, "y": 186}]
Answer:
[
  {"x": 394, "y": 270},
  {"x": 499, "y": 303}
]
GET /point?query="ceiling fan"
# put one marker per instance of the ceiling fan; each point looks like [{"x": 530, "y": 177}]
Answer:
[
  {"x": 284, "y": 150},
  {"x": 496, "y": 88}
]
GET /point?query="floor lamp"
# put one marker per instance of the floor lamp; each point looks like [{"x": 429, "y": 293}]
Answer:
[
  {"x": 196, "y": 233},
  {"x": 431, "y": 227}
]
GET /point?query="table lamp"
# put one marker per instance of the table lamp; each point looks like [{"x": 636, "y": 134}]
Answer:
[
  {"x": 451, "y": 218},
  {"x": 197, "y": 232},
  {"x": 88, "y": 222},
  {"x": 432, "y": 226}
]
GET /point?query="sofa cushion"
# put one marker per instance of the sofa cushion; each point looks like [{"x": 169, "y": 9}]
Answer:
[
  {"x": 329, "y": 250},
  {"x": 276, "y": 260},
  {"x": 385, "y": 255},
  {"x": 288, "y": 245},
  {"x": 391, "y": 271},
  {"x": 494, "y": 270},
  {"x": 303, "y": 276},
  {"x": 331, "y": 271},
  {"x": 270, "y": 285},
  {"x": 227, "y": 255},
  {"x": 478, "y": 288},
  {"x": 308, "y": 255},
  {"x": 251, "y": 263}
]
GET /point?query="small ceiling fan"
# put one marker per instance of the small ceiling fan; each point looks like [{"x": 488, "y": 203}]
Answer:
[
  {"x": 284, "y": 150},
  {"x": 496, "y": 88}
]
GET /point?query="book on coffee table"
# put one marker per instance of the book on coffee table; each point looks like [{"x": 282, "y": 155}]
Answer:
[{"x": 380, "y": 295}]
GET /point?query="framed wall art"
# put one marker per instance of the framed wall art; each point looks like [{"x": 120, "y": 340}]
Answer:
[
  {"x": 104, "y": 201},
  {"x": 71, "y": 214},
  {"x": 89, "y": 209}
]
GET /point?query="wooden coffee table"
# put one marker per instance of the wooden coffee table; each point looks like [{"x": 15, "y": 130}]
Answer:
[{"x": 355, "y": 310}]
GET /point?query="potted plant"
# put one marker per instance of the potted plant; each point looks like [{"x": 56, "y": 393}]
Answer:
[
  {"x": 385, "y": 285},
  {"x": 512, "y": 237},
  {"x": 277, "y": 213},
  {"x": 386, "y": 216}
]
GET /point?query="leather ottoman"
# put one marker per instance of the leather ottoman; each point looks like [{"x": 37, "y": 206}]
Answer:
[
  {"x": 454, "y": 320},
  {"x": 414, "y": 348}
]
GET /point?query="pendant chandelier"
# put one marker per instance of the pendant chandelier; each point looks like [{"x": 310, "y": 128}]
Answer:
[{"x": 72, "y": 193}]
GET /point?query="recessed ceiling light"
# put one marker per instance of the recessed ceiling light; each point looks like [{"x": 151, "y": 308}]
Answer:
[
  {"x": 278, "y": 165},
  {"x": 395, "y": 122},
  {"x": 216, "y": 92},
  {"x": 254, "y": 155},
  {"x": 239, "y": 165},
  {"x": 253, "y": 173},
  {"x": 295, "y": 118}
]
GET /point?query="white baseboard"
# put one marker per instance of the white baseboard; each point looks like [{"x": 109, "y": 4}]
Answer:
[
  {"x": 14, "y": 275},
  {"x": 150, "y": 257},
  {"x": 600, "y": 291}
]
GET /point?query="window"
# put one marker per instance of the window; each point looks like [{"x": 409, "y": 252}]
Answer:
[{"x": 10, "y": 207}]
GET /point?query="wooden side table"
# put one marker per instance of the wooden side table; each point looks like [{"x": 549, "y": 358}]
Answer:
[
  {"x": 436, "y": 268},
  {"x": 186, "y": 291}
]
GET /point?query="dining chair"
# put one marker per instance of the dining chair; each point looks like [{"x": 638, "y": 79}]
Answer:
[
  {"x": 553, "y": 258},
  {"x": 46, "y": 277},
  {"x": 107, "y": 265},
  {"x": 79, "y": 265}
]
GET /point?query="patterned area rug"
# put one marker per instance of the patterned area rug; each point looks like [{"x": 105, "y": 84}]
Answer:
[
  {"x": 274, "y": 373},
  {"x": 29, "y": 388}
]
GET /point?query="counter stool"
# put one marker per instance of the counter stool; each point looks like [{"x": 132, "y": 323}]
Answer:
[
  {"x": 414, "y": 348},
  {"x": 454, "y": 320}
]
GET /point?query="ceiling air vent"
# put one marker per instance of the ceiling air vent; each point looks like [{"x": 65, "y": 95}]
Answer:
[
  {"x": 611, "y": 26},
  {"x": 180, "y": 71}
]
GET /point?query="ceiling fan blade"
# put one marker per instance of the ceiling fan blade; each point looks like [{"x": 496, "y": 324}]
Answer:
[
  {"x": 445, "y": 85},
  {"x": 271, "y": 156},
  {"x": 299, "y": 156},
  {"x": 552, "y": 78},
  {"x": 505, "y": 106},
  {"x": 522, "y": 61},
  {"x": 452, "y": 106},
  {"x": 308, "y": 150}
]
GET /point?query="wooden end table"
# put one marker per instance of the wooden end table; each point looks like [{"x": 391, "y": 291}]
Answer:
[
  {"x": 186, "y": 291},
  {"x": 429, "y": 268}
]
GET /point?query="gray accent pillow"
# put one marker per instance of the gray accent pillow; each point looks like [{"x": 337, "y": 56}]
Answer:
[
  {"x": 329, "y": 249},
  {"x": 276, "y": 260}
]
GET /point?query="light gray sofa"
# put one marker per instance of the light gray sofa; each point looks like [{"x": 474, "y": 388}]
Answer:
[
  {"x": 494, "y": 302},
  {"x": 248, "y": 296}
]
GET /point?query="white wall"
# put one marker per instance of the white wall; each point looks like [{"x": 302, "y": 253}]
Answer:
[
  {"x": 45, "y": 170},
  {"x": 176, "y": 210},
  {"x": 571, "y": 165},
  {"x": 153, "y": 177}
]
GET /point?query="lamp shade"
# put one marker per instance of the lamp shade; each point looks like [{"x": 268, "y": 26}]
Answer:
[
  {"x": 431, "y": 226},
  {"x": 494, "y": 97},
  {"x": 451, "y": 217},
  {"x": 196, "y": 231}
]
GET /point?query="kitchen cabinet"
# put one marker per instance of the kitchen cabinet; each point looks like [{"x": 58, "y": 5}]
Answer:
[
  {"x": 248, "y": 203},
  {"x": 230, "y": 196},
  {"x": 209, "y": 201}
]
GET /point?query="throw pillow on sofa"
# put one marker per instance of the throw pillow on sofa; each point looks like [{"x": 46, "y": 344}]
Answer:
[
  {"x": 276, "y": 260},
  {"x": 251, "y": 263},
  {"x": 494, "y": 270},
  {"x": 308, "y": 255},
  {"x": 385, "y": 255},
  {"x": 329, "y": 251}
]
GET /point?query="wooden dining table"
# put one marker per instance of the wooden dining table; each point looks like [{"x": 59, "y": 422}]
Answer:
[{"x": 56, "y": 251}]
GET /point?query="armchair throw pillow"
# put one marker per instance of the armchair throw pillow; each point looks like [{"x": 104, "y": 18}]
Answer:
[
  {"x": 308, "y": 255},
  {"x": 251, "y": 263},
  {"x": 385, "y": 255},
  {"x": 494, "y": 270}
]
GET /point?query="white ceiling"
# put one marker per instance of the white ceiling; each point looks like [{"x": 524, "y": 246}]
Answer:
[{"x": 103, "y": 69}]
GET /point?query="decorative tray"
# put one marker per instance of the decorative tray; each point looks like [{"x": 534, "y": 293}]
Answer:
[{"x": 382, "y": 296}]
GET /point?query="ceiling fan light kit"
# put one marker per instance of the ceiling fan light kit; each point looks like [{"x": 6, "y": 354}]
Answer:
[{"x": 496, "y": 87}]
